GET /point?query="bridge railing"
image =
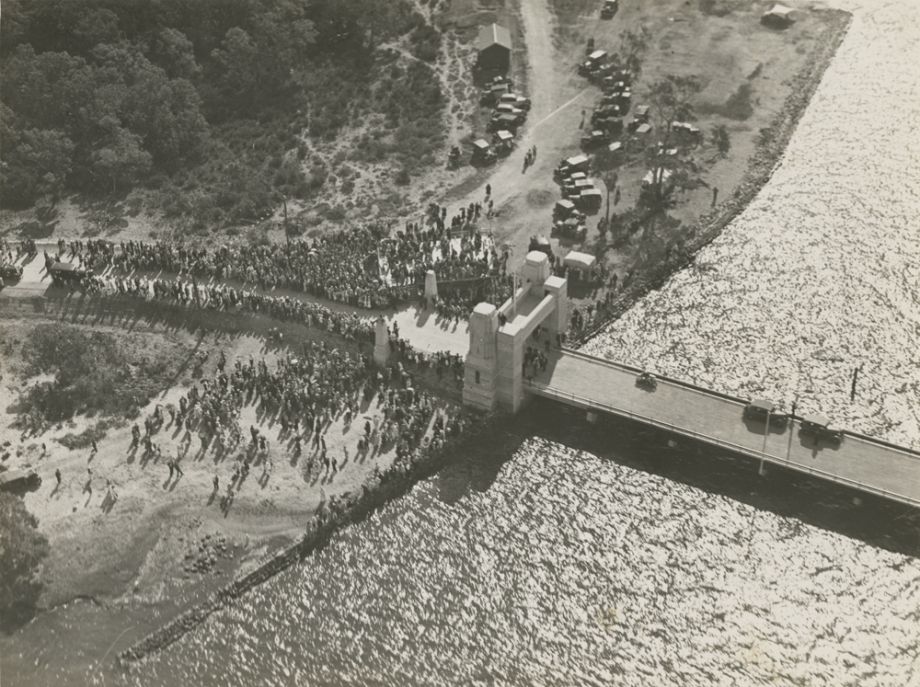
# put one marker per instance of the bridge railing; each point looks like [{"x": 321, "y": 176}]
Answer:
[
  {"x": 728, "y": 397},
  {"x": 746, "y": 450}
]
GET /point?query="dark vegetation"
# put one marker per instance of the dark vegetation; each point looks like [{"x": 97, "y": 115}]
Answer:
[
  {"x": 93, "y": 373},
  {"x": 205, "y": 101},
  {"x": 22, "y": 549}
]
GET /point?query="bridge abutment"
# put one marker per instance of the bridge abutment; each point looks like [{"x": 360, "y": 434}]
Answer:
[{"x": 494, "y": 370}]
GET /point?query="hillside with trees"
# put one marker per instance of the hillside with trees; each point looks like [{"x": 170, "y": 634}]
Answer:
[{"x": 212, "y": 105}]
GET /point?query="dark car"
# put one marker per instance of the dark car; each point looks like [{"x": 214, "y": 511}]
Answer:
[
  {"x": 10, "y": 272},
  {"x": 647, "y": 381},
  {"x": 19, "y": 481},
  {"x": 761, "y": 409},
  {"x": 66, "y": 274},
  {"x": 819, "y": 427}
]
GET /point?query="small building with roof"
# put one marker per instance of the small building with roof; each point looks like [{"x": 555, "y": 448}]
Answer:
[{"x": 493, "y": 46}]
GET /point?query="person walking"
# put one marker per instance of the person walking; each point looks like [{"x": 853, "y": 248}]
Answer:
[{"x": 57, "y": 476}]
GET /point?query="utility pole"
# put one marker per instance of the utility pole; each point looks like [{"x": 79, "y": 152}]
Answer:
[
  {"x": 791, "y": 428},
  {"x": 766, "y": 433}
]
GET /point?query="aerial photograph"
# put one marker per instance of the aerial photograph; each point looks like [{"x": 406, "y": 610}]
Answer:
[{"x": 410, "y": 343}]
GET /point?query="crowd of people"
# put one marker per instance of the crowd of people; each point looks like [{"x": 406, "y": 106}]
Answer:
[
  {"x": 304, "y": 394},
  {"x": 224, "y": 297},
  {"x": 363, "y": 266}
]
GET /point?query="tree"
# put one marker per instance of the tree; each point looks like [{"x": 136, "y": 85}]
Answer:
[
  {"x": 670, "y": 99},
  {"x": 634, "y": 45},
  {"x": 122, "y": 160},
  {"x": 35, "y": 162},
  {"x": 22, "y": 549}
]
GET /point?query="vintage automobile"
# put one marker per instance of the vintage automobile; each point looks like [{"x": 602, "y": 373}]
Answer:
[
  {"x": 571, "y": 228},
  {"x": 609, "y": 9},
  {"x": 506, "y": 121},
  {"x": 67, "y": 274},
  {"x": 10, "y": 272},
  {"x": 482, "y": 152},
  {"x": 593, "y": 63},
  {"x": 19, "y": 481},
  {"x": 566, "y": 209},
  {"x": 762, "y": 410},
  {"x": 515, "y": 100},
  {"x": 589, "y": 200},
  {"x": 503, "y": 141},
  {"x": 819, "y": 427},
  {"x": 542, "y": 245},
  {"x": 595, "y": 138},
  {"x": 647, "y": 381},
  {"x": 576, "y": 163}
]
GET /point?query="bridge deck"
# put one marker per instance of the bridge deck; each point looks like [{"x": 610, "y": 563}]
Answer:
[{"x": 859, "y": 461}]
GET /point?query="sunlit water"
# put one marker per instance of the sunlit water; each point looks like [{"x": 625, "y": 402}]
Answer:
[{"x": 569, "y": 569}]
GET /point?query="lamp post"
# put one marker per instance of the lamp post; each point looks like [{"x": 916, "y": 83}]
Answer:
[
  {"x": 766, "y": 433},
  {"x": 791, "y": 428}
]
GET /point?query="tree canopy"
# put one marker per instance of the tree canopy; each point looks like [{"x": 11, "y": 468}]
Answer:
[
  {"x": 22, "y": 549},
  {"x": 100, "y": 95}
]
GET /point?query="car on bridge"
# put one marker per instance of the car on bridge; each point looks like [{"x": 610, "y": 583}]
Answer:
[
  {"x": 819, "y": 427},
  {"x": 10, "y": 272},
  {"x": 647, "y": 381},
  {"x": 763, "y": 410}
]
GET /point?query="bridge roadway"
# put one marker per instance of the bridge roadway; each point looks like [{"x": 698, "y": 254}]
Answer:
[{"x": 860, "y": 462}]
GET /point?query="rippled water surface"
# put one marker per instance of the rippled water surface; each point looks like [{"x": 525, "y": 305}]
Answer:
[
  {"x": 569, "y": 570},
  {"x": 573, "y": 570}
]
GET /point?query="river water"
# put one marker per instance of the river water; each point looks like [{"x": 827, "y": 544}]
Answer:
[
  {"x": 558, "y": 566},
  {"x": 547, "y": 564}
]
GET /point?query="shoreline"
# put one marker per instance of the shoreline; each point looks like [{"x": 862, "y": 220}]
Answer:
[
  {"x": 763, "y": 162},
  {"x": 353, "y": 508}
]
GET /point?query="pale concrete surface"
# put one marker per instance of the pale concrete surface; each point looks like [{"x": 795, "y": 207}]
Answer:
[{"x": 857, "y": 461}]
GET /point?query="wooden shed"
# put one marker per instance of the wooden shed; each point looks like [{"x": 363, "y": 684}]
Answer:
[{"x": 494, "y": 48}]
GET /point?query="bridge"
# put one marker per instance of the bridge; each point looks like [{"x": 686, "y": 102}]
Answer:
[{"x": 495, "y": 378}]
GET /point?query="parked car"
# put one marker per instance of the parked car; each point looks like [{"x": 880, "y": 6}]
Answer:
[
  {"x": 589, "y": 200},
  {"x": 576, "y": 163},
  {"x": 516, "y": 100},
  {"x": 543, "y": 245},
  {"x": 503, "y": 141},
  {"x": 564, "y": 209},
  {"x": 482, "y": 152},
  {"x": 572, "y": 228},
  {"x": 593, "y": 63},
  {"x": 18, "y": 481},
  {"x": 609, "y": 9},
  {"x": 594, "y": 138}
]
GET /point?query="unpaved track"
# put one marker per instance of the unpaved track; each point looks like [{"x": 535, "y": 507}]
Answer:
[{"x": 557, "y": 99}]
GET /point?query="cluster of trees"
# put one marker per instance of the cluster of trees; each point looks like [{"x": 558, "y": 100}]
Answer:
[
  {"x": 101, "y": 95},
  {"x": 22, "y": 550}
]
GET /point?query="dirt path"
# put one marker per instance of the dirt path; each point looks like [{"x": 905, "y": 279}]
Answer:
[{"x": 522, "y": 196}]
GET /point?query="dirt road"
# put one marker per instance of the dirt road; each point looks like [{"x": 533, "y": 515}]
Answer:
[{"x": 523, "y": 198}]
